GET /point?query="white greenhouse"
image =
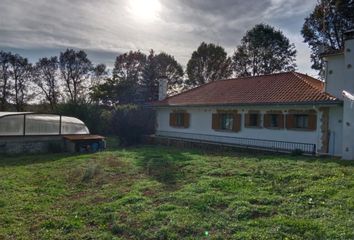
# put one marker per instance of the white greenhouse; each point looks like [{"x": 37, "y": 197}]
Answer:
[
  {"x": 27, "y": 132},
  {"x": 34, "y": 124}
]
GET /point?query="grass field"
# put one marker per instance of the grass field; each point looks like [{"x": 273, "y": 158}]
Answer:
[{"x": 167, "y": 193}]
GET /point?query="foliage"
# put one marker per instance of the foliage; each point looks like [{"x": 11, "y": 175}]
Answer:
[
  {"x": 92, "y": 115},
  {"x": 127, "y": 78},
  {"x": 131, "y": 122},
  {"x": 45, "y": 77},
  {"x": 207, "y": 64},
  {"x": 135, "y": 78},
  {"x": 264, "y": 50},
  {"x": 324, "y": 27},
  {"x": 75, "y": 69},
  {"x": 226, "y": 196},
  {"x": 161, "y": 66}
]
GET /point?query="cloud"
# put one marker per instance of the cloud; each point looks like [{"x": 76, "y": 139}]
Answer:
[{"x": 106, "y": 26}]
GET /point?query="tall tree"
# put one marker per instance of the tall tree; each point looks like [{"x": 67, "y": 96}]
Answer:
[
  {"x": 4, "y": 79},
  {"x": 99, "y": 73},
  {"x": 21, "y": 76},
  {"x": 124, "y": 86},
  {"x": 208, "y": 63},
  {"x": 75, "y": 68},
  {"x": 45, "y": 77},
  {"x": 324, "y": 27},
  {"x": 264, "y": 50},
  {"x": 160, "y": 66},
  {"x": 135, "y": 78}
]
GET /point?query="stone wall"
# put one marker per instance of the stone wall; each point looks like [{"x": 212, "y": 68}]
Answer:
[{"x": 30, "y": 144}]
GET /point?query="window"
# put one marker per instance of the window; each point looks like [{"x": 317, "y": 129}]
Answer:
[
  {"x": 253, "y": 121},
  {"x": 274, "y": 120},
  {"x": 305, "y": 120},
  {"x": 301, "y": 121},
  {"x": 179, "y": 119},
  {"x": 226, "y": 121}
]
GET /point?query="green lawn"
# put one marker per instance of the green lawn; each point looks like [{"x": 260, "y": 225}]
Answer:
[{"x": 167, "y": 193}]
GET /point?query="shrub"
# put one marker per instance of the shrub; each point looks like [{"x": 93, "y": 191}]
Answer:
[{"x": 131, "y": 122}]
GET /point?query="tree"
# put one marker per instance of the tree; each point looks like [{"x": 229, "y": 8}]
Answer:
[
  {"x": 4, "y": 79},
  {"x": 264, "y": 50},
  {"x": 208, "y": 63},
  {"x": 45, "y": 77},
  {"x": 20, "y": 72},
  {"x": 75, "y": 68},
  {"x": 135, "y": 78},
  {"x": 126, "y": 85},
  {"x": 160, "y": 66},
  {"x": 99, "y": 73},
  {"x": 324, "y": 27}
]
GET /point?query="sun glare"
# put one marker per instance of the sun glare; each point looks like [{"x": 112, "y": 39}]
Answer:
[{"x": 144, "y": 10}]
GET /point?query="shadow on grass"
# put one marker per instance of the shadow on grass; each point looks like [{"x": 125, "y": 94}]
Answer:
[
  {"x": 161, "y": 163},
  {"x": 29, "y": 159}
]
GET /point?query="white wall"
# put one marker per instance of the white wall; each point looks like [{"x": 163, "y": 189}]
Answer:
[
  {"x": 201, "y": 123},
  {"x": 342, "y": 76},
  {"x": 335, "y": 128},
  {"x": 348, "y": 130},
  {"x": 342, "y": 121}
]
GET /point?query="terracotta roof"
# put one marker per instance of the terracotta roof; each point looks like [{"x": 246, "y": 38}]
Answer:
[{"x": 279, "y": 88}]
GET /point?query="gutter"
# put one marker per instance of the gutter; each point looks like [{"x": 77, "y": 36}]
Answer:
[{"x": 335, "y": 102}]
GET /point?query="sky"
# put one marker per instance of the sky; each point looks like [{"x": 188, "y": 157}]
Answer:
[{"x": 107, "y": 28}]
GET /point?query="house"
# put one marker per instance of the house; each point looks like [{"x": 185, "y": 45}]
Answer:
[{"x": 281, "y": 112}]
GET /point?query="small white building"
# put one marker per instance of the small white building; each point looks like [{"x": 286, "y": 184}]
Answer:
[{"x": 279, "y": 112}]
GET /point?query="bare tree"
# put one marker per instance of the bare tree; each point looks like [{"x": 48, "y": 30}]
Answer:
[
  {"x": 21, "y": 76},
  {"x": 4, "y": 79},
  {"x": 45, "y": 77},
  {"x": 75, "y": 70}
]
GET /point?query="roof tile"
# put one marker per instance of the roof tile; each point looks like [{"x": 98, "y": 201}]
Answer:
[{"x": 279, "y": 88}]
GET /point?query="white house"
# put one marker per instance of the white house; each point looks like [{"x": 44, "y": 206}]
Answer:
[{"x": 282, "y": 112}]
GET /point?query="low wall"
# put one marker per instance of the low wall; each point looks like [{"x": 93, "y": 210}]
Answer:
[
  {"x": 30, "y": 144},
  {"x": 185, "y": 143}
]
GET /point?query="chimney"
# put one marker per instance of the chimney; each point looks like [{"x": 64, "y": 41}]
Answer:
[{"x": 163, "y": 82}]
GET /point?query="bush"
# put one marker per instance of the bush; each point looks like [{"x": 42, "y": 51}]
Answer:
[
  {"x": 131, "y": 122},
  {"x": 96, "y": 118}
]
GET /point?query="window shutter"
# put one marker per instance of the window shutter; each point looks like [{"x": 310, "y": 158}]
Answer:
[
  {"x": 312, "y": 122},
  {"x": 215, "y": 121},
  {"x": 290, "y": 121},
  {"x": 267, "y": 119},
  {"x": 186, "y": 119},
  {"x": 237, "y": 123},
  {"x": 247, "y": 120},
  {"x": 281, "y": 120},
  {"x": 172, "y": 119}
]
